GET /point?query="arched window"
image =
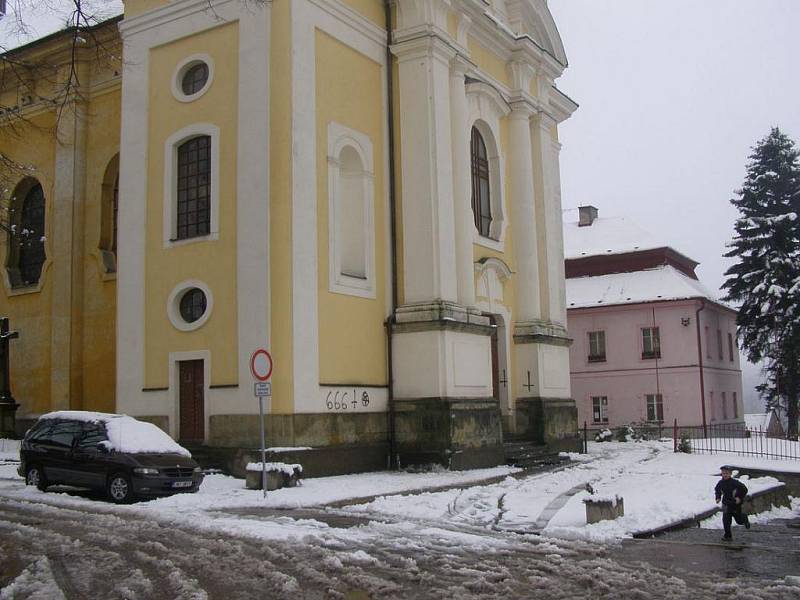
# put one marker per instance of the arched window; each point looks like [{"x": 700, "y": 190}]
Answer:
[
  {"x": 194, "y": 188},
  {"x": 108, "y": 215},
  {"x": 26, "y": 253},
  {"x": 481, "y": 202}
]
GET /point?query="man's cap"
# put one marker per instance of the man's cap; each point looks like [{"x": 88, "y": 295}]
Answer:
[{"x": 726, "y": 468}]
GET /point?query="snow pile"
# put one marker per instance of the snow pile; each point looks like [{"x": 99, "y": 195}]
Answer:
[
  {"x": 281, "y": 467},
  {"x": 279, "y": 449},
  {"x": 126, "y": 434},
  {"x": 662, "y": 283}
]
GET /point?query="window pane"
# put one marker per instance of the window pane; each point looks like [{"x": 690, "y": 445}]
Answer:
[
  {"x": 30, "y": 236},
  {"x": 481, "y": 197},
  {"x": 193, "y": 160},
  {"x": 65, "y": 432}
]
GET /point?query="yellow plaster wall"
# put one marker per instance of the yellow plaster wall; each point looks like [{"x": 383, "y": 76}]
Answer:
[
  {"x": 280, "y": 228},
  {"x": 213, "y": 262},
  {"x": 371, "y": 9},
  {"x": 30, "y": 314},
  {"x": 100, "y": 289},
  {"x": 488, "y": 61},
  {"x": 137, "y": 7},
  {"x": 352, "y": 340}
]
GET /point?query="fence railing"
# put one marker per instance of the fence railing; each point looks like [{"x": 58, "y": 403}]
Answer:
[
  {"x": 717, "y": 438},
  {"x": 735, "y": 438}
]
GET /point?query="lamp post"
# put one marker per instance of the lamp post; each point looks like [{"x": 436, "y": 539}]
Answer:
[{"x": 8, "y": 406}]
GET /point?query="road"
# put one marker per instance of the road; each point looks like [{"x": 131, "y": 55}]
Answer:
[{"x": 91, "y": 549}]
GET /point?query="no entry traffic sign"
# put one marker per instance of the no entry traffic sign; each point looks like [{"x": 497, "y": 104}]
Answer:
[{"x": 261, "y": 365}]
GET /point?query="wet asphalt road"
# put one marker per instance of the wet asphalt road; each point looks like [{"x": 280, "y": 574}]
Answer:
[
  {"x": 766, "y": 551},
  {"x": 94, "y": 550}
]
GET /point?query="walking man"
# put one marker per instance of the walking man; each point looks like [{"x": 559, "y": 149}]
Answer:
[{"x": 732, "y": 493}]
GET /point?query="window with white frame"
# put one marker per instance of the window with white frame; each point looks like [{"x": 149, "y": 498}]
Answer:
[
  {"x": 597, "y": 346},
  {"x": 651, "y": 342},
  {"x": 599, "y": 409},
  {"x": 655, "y": 407},
  {"x": 191, "y": 185},
  {"x": 351, "y": 232}
]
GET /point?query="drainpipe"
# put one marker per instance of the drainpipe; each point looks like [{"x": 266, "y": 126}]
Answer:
[
  {"x": 700, "y": 361},
  {"x": 387, "y": 7}
]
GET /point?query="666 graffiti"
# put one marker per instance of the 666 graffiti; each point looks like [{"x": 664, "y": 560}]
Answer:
[{"x": 345, "y": 400}]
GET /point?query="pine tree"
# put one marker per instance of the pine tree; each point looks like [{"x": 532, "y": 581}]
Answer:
[{"x": 765, "y": 281}]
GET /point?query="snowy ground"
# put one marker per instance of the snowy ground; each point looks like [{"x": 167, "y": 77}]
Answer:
[{"x": 404, "y": 543}]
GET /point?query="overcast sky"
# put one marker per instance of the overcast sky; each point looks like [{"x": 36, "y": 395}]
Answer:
[{"x": 673, "y": 94}]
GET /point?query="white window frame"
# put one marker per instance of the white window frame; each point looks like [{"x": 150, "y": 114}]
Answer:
[
  {"x": 486, "y": 109},
  {"x": 600, "y": 414},
  {"x": 182, "y": 68},
  {"x": 657, "y": 402},
  {"x": 174, "y": 301},
  {"x": 599, "y": 333},
  {"x": 171, "y": 146},
  {"x": 654, "y": 338},
  {"x": 340, "y": 137}
]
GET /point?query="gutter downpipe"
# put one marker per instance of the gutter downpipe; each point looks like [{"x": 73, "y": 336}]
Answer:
[
  {"x": 394, "y": 460},
  {"x": 700, "y": 361}
]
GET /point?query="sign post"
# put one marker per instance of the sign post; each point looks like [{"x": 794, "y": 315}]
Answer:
[{"x": 261, "y": 368}]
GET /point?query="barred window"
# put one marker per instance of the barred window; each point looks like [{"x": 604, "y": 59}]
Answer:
[
  {"x": 481, "y": 202},
  {"x": 30, "y": 236},
  {"x": 194, "y": 188},
  {"x": 114, "y": 216}
]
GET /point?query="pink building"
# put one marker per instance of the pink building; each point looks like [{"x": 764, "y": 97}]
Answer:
[{"x": 651, "y": 343}]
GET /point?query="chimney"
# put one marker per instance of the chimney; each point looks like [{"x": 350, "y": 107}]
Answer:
[{"x": 586, "y": 215}]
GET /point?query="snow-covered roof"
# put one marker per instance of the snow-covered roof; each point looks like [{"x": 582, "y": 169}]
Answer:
[
  {"x": 125, "y": 433},
  {"x": 651, "y": 285},
  {"x": 606, "y": 235}
]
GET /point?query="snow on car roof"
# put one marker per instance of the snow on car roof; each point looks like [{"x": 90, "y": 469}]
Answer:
[{"x": 125, "y": 433}]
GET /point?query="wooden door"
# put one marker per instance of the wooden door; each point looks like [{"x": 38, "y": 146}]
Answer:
[{"x": 191, "y": 400}]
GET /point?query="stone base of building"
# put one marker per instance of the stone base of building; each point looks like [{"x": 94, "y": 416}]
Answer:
[
  {"x": 551, "y": 421},
  {"x": 458, "y": 433}
]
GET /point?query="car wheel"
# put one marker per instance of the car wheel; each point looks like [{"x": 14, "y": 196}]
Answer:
[
  {"x": 35, "y": 476},
  {"x": 120, "y": 489}
]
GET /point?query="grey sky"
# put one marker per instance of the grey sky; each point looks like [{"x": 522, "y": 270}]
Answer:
[{"x": 672, "y": 96}]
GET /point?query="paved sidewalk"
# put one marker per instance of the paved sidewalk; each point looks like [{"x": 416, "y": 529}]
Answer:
[{"x": 768, "y": 551}]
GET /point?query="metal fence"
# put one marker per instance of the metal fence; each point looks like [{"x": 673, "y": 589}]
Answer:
[
  {"x": 735, "y": 438},
  {"x": 718, "y": 438}
]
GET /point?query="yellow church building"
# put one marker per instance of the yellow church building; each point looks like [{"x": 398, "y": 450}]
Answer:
[{"x": 370, "y": 190}]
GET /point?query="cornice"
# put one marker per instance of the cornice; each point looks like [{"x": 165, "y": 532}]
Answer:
[{"x": 178, "y": 9}]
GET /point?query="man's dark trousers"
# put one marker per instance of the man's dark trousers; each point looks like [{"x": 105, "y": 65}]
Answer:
[{"x": 732, "y": 512}]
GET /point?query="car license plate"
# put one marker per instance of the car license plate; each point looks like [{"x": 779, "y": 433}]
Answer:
[{"x": 181, "y": 484}]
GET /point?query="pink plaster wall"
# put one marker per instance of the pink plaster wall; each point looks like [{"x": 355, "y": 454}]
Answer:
[{"x": 625, "y": 377}]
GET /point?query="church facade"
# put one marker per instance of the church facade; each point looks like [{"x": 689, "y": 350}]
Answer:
[{"x": 381, "y": 211}]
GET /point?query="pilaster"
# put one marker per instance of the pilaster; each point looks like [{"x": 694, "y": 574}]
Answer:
[
  {"x": 465, "y": 271},
  {"x": 67, "y": 227}
]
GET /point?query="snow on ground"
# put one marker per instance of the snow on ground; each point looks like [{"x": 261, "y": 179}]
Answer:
[{"x": 657, "y": 486}]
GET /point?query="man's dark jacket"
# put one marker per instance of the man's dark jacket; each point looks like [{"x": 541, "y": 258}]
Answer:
[{"x": 729, "y": 490}]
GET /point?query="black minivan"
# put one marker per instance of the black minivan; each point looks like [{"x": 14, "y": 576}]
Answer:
[{"x": 73, "y": 448}]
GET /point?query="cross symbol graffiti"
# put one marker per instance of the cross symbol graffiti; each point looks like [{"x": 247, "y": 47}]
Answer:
[
  {"x": 528, "y": 385},
  {"x": 504, "y": 379}
]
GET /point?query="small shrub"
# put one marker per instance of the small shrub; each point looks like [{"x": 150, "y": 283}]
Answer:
[
  {"x": 624, "y": 433},
  {"x": 685, "y": 444}
]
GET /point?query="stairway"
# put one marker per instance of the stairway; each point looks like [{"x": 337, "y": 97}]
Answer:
[{"x": 530, "y": 455}]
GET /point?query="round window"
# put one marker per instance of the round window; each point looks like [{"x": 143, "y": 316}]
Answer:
[
  {"x": 194, "y": 79},
  {"x": 192, "y": 305}
]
